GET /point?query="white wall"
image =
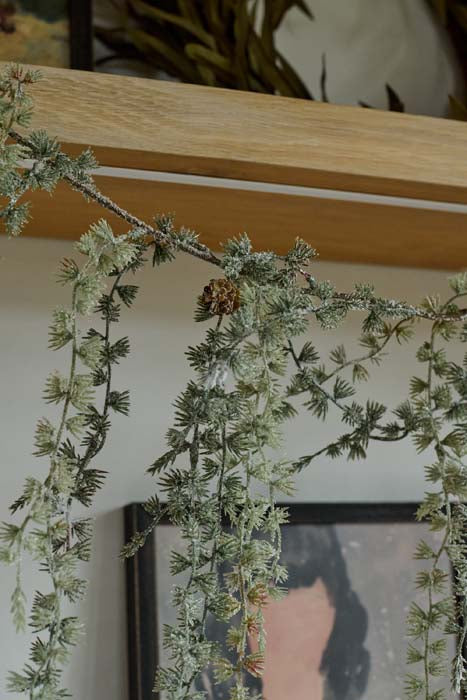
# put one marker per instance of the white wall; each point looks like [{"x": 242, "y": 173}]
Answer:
[
  {"x": 368, "y": 43},
  {"x": 160, "y": 328}
]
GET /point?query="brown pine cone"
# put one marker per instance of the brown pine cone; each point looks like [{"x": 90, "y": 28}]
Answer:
[{"x": 221, "y": 297}]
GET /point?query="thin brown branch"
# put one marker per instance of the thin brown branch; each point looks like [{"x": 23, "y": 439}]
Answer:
[
  {"x": 372, "y": 436},
  {"x": 368, "y": 356},
  {"x": 91, "y": 191},
  {"x": 399, "y": 308}
]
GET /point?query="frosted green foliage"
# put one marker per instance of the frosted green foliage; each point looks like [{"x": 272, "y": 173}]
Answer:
[
  {"x": 224, "y": 462},
  {"x": 324, "y": 387},
  {"x": 438, "y": 400},
  {"x": 227, "y": 432},
  {"x": 240, "y": 442},
  {"x": 49, "y": 531},
  {"x": 50, "y": 164},
  {"x": 15, "y": 110}
]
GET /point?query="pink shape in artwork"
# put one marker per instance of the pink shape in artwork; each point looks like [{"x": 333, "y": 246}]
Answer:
[{"x": 297, "y": 628}]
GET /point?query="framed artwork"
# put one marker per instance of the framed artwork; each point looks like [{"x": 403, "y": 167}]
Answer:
[
  {"x": 337, "y": 634},
  {"x": 47, "y": 32}
]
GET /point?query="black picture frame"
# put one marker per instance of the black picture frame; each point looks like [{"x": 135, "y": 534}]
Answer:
[
  {"x": 41, "y": 33},
  {"x": 81, "y": 34},
  {"x": 141, "y": 579}
]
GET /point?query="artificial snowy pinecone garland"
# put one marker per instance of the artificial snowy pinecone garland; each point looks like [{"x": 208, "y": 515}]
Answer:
[{"x": 221, "y": 297}]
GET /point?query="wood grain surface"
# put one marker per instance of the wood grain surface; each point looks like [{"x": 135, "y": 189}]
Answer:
[{"x": 146, "y": 124}]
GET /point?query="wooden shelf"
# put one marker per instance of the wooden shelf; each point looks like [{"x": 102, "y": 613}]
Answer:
[{"x": 160, "y": 126}]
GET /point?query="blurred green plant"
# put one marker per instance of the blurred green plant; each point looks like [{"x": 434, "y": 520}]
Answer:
[
  {"x": 222, "y": 43},
  {"x": 453, "y": 15}
]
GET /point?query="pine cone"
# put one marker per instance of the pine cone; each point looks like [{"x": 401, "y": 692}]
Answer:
[{"x": 221, "y": 297}]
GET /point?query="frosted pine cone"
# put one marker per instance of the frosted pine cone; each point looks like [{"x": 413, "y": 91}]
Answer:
[{"x": 221, "y": 297}]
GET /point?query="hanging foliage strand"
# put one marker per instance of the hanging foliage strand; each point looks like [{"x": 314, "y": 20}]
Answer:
[
  {"x": 49, "y": 530},
  {"x": 224, "y": 466}
]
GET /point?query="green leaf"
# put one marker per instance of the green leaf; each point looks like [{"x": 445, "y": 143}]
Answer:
[
  {"x": 338, "y": 355},
  {"x": 160, "y": 48},
  {"x": 44, "y": 438},
  {"x": 394, "y": 102},
  {"x": 127, "y": 293},
  {"x": 414, "y": 656},
  {"x": 359, "y": 373},
  {"x": 308, "y": 354},
  {"x": 458, "y": 283},
  {"x": 417, "y": 386},
  {"x": 190, "y": 26},
  {"x": 208, "y": 57},
  {"x": 342, "y": 389},
  {"x": 119, "y": 401}
]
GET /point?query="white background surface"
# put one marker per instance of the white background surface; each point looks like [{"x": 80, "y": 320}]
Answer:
[
  {"x": 369, "y": 43},
  {"x": 160, "y": 327}
]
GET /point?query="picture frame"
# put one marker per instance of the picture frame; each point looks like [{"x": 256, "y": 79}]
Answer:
[
  {"x": 42, "y": 32},
  {"x": 362, "y": 545},
  {"x": 81, "y": 34}
]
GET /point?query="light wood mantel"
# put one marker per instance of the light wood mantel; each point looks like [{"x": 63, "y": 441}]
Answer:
[{"x": 147, "y": 125}]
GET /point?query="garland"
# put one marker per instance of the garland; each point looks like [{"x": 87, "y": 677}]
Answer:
[{"x": 224, "y": 452}]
